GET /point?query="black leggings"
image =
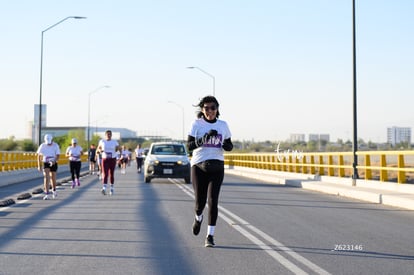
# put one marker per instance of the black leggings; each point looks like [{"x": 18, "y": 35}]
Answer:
[
  {"x": 207, "y": 185},
  {"x": 75, "y": 167},
  {"x": 139, "y": 163}
]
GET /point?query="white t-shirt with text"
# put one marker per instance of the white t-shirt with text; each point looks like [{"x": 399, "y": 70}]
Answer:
[
  {"x": 74, "y": 153},
  {"x": 48, "y": 151},
  {"x": 108, "y": 148},
  {"x": 212, "y": 147}
]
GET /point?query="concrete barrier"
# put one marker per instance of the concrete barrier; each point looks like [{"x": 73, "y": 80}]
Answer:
[{"x": 11, "y": 177}]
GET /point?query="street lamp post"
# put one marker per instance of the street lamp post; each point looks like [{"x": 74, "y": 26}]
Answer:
[
  {"x": 41, "y": 72},
  {"x": 210, "y": 75},
  {"x": 182, "y": 109},
  {"x": 89, "y": 112},
  {"x": 102, "y": 119},
  {"x": 355, "y": 135}
]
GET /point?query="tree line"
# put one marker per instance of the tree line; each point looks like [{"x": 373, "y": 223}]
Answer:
[{"x": 27, "y": 145}]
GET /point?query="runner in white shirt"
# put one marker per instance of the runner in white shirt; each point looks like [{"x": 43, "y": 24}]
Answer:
[
  {"x": 208, "y": 137},
  {"x": 48, "y": 154},
  {"x": 139, "y": 156},
  {"x": 98, "y": 157},
  {"x": 74, "y": 152},
  {"x": 124, "y": 159},
  {"x": 109, "y": 148}
]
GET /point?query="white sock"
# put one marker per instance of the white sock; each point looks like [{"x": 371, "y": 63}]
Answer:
[
  {"x": 199, "y": 218},
  {"x": 210, "y": 230}
]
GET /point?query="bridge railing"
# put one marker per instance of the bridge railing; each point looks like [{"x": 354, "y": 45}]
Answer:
[
  {"x": 13, "y": 160},
  {"x": 372, "y": 165}
]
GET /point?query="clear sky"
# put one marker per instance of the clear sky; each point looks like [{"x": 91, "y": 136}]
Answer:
[{"x": 280, "y": 67}]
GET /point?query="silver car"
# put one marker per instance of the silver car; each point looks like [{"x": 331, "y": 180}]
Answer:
[{"x": 167, "y": 160}]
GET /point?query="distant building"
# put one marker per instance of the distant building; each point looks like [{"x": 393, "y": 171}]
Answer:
[
  {"x": 397, "y": 135},
  {"x": 297, "y": 138},
  {"x": 324, "y": 137},
  {"x": 319, "y": 137},
  {"x": 117, "y": 133},
  {"x": 313, "y": 137},
  {"x": 35, "y": 125}
]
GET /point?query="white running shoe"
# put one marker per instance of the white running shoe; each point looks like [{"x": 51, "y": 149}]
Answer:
[
  {"x": 54, "y": 194},
  {"x": 46, "y": 197},
  {"x": 111, "y": 192}
]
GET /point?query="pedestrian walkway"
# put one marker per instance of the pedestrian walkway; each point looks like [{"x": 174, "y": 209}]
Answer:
[
  {"x": 83, "y": 232},
  {"x": 10, "y": 177},
  {"x": 32, "y": 181},
  {"x": 386, "y": 193}
]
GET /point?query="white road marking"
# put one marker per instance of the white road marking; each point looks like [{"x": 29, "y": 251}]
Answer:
[{"x": 238, "y": 223}]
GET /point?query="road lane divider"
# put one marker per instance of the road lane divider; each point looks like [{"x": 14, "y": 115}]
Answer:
[{"x": 255, "y": 235}]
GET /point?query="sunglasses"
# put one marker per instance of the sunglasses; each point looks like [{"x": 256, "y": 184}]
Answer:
[{"x": 207, "y": 108}]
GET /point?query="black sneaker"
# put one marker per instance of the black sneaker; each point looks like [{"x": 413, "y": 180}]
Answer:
[
  {"x": 196, "y": 226},
  {"x": 209, "y": 241}
]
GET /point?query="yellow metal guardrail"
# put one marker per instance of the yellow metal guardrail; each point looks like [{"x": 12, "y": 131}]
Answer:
[
  {"x": 12, "y": 161},
  {"x": 373, "y": 165}
]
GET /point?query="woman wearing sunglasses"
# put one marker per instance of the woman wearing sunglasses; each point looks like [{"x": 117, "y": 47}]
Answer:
[{"x": 208, "y": 137}]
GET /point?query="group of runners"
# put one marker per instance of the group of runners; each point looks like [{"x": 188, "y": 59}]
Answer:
[
  {"x": 103, "y": 160},
  {"x": 208, "y": 138},
  {"x": 123, "y": 159}
]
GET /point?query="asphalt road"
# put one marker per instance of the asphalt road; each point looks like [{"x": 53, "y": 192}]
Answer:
[{"x": 146, "y": 229}]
